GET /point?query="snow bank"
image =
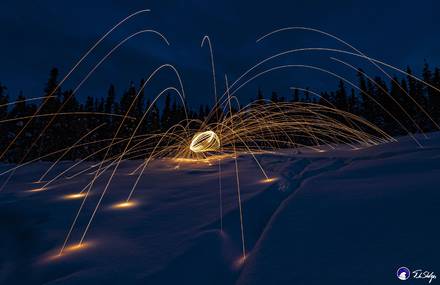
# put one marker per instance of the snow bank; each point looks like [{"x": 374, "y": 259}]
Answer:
[{"x": 337, "y": 217}]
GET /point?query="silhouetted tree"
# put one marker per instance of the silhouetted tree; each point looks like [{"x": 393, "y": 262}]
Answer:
[
  {"x": 4, "y": 100},
  {"x": 260, "y": 96},
  {"x": 353, "y": 104},
  {"x": 4, "y": 128},
  {"x": 341, "y": 97},
  {"x": 166, "y": 113},
  {"x": 380, "y": 102},
  {"x": 295, "y": 95},
  {"x": 325, "y": 99},
  {"x": 274, "y": 97},
  {"x": 110, "y": 100},
  {"x": 47, "y": 139},
  {"x": 434, "y": 96}
]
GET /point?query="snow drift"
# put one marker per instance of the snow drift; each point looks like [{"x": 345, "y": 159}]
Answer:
[{"x": 336, "y": 217}]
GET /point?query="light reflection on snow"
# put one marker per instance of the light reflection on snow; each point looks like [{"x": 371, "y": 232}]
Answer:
[
  {"x": 125, "y": 205},
  {"x": 74, "y": 196}
]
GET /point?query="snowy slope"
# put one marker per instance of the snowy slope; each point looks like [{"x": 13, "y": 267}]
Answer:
[{"x": 337, "y": 217}]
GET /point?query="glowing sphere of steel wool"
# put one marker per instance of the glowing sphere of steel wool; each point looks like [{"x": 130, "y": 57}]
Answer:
[{"x": 205, "y": 141}]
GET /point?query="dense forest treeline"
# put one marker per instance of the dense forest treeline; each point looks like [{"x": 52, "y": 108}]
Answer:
[{"x": 93, "y": 114}]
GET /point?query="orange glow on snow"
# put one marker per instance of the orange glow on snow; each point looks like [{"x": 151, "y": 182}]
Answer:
[
  {"x": 124, "y": 205},
  {"x": 74, "y": 196},
  {"x": 269, "y": 180},
  {"x": 76, "y": 247},
  {"x": 38, "y": 189},
  {"x": 68, "y": 250},
  {"x": 239, "y": 262}
]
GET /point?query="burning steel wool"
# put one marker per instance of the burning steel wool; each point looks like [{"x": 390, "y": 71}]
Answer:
[{"x": 205, "y": 141}]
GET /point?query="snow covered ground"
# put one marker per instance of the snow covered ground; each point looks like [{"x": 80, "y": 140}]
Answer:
[{"x": 337, "y": 217}]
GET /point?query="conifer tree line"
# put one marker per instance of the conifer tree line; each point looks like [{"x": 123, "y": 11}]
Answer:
[{"x": 89, "y": 127}]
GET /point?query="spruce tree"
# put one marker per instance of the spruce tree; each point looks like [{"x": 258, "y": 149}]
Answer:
[
  {"x": 341, "y": 97},
  {"x": 274, "y": 97},
  {"x": 166, "y": 113},
  {"x": 295, "y": 95},
  {"x": 434, "y": 99},
  {"x": 260, "y": 96},
  {"x": 353, "y": 105},
  {"x": 4, "y": 100},
  {"x": 4, "y": 128},
  {"x": 49, "y": 127}
]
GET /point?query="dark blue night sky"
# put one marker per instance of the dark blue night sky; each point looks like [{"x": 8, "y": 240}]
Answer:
[{"x": 37, "y": 35}]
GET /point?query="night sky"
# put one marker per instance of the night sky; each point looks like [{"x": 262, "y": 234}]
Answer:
[{"x": 37, "y": 35}]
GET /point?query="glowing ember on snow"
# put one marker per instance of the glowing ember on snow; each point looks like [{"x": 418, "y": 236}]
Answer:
[
  {"x": 38, "y": 189},
  {"x": 269, "y": 180},
  {"x": 74, "y": 196},
  {"x": 76, "y": 247},
  {"x": 69, "y": 250},
  {"x": 240, "y": 262},
  {"x": 124, "y": 205}
]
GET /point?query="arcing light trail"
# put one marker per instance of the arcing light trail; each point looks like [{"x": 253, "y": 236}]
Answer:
[
  {"x": 372, "y": 61},
  {"x": 259, "y": 127},
  {"x": 83, "y": 57}
]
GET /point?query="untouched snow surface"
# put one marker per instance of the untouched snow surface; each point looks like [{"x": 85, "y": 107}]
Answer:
[{"x": 337, "y": 217}]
